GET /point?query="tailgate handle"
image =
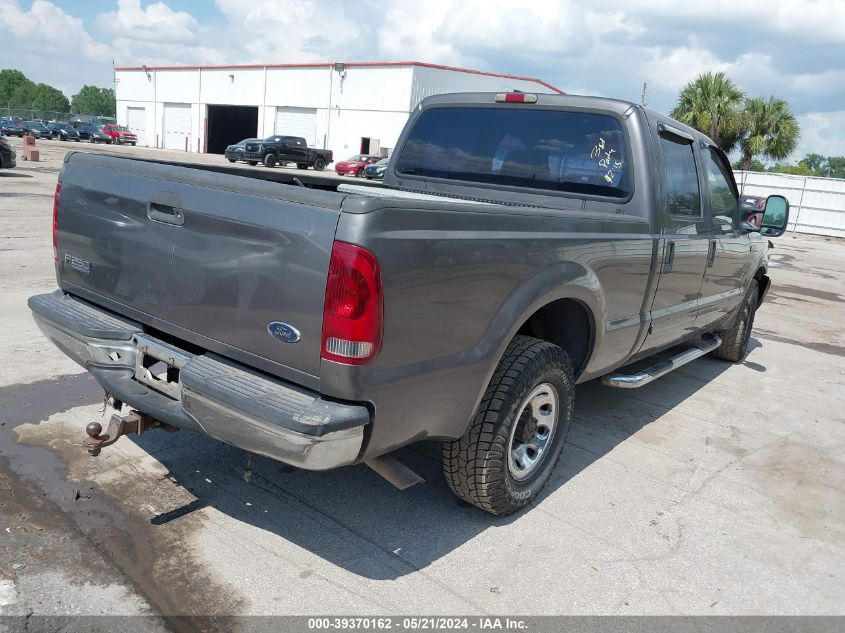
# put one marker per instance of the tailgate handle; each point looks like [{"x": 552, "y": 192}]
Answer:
[{"x": 166, "y": 207}]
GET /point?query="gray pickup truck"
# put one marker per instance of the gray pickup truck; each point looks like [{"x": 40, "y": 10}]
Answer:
[{"x": 520, "y": 244}]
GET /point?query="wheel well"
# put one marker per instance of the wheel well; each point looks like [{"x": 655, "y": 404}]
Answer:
[{"x": 566, "y": 323}]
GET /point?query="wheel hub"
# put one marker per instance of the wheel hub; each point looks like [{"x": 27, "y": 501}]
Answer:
[{"x": 532, "y": 432}]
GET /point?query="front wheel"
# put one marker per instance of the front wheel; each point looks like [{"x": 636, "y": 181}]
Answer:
[
  {"x": 516, "y": 438},
  {"x": 270, "y": 160},
  {"x": 319, "y": 163},
  {"x": 735, "y": 339}
]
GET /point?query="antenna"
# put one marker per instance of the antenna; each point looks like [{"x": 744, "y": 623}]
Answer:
[{"x": 642, "y": 97}]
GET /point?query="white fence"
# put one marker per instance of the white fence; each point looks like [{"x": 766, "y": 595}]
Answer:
[{"x": 816, "y": 205}]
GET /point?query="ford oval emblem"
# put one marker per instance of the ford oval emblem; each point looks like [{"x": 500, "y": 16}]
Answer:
[{"x": 283, "y": 332}]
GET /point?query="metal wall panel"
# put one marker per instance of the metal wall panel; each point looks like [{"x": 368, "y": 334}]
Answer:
[{"x": 816, "y": 205}]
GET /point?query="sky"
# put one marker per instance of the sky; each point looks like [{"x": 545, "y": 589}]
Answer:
[{"x": 793, "y": 49}]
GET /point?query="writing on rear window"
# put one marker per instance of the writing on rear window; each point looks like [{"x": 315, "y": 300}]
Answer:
[{"x": 564, "y": 151}]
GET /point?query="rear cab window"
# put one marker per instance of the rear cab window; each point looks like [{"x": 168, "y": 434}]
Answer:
[{"x": 567, "y": 151}]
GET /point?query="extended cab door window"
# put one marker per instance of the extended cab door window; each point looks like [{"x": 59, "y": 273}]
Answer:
[{"x": 682, "y": 210}]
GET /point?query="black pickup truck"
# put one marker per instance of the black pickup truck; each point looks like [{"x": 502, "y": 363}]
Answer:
[
  {"x": 278, "y": 150},
  {"x": 520, "y": 244}
]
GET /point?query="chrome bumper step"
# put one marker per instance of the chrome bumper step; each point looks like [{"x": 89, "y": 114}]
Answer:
[{"x": 642, "y": 378}]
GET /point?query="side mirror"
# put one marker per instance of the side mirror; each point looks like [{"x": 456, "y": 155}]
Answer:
[{"x": 775, "y": 216}]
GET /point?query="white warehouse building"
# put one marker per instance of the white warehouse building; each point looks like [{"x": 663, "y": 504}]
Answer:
[{"x": 348, "y": 108}]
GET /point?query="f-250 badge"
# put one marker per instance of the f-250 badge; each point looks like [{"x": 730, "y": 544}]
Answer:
[{"x": 78, "y": 264}]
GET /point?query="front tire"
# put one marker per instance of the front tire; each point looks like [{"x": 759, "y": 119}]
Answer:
[
  {"x": 270, "y": 160},
  {"x": 735, "y": 340},
  {"x": 516, "y": 438}
]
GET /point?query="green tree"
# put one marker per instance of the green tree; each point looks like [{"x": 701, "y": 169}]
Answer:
[
  {"x": 756, "y": 165},
  {"x": 22, "y": 96},
  {"x": 816, "y": 163},
  {"x": 95, "y": 101},
  {"x": 770, "y": 129},
  {"x": 797, "y": 170},
  {"x": 835, "y": 167},
  {"x": 712, "y": 104},
  {"x": 50, "y": 99},
  {"x": 10, "y": 81}
]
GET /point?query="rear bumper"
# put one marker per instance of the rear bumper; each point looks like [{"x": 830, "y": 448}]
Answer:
[{"x": 216, "y": 396}]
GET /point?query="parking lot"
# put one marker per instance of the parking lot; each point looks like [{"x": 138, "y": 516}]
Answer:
[{"x": 719, "y": 489}]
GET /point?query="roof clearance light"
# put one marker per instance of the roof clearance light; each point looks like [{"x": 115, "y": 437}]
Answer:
[{"x": 515, "y": 97}]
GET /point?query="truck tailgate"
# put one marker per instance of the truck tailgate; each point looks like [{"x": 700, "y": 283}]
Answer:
[{"x": 208, "y": 257}]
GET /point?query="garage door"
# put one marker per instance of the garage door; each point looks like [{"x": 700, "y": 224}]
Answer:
[
  {"x": 136, "y": 120},
  {"x": 177, "y": 125},
  {"x": 297, "y": 122}
]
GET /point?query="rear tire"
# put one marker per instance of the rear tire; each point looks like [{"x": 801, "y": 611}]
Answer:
[
  {"x": 319, "y": 163},
  {"x": 517, "y": 435},
  {"x": 735, "y": 340},
  {"x": 270, "y": 160}
]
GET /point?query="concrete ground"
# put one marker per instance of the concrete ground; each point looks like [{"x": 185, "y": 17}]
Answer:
[{"x": 715, "y": 490}]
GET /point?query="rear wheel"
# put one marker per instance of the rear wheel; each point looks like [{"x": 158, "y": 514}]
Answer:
[
  {"x": 735, "y": 340},
  {"x": 516, "y": 438},
  {"x": 319, "y": 163},
  {"x": 270, "y": 160}
]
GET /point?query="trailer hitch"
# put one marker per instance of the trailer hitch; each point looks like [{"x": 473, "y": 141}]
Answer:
[{"x": 134, "y": 422}]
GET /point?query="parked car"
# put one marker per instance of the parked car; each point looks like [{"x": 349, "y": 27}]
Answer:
[
  {"x": 7, "y": 154},
  {"x": 63, "y": 131},
  {"x": 92, "y": 134},
  {"x": 753, "y": 208},
  {"x": 354, "y": 165},
  {"x": 235, "y": 152},
  {"x": 120, "y": 134},
  {"x": 10, "y": 128},
  {"x": 375, "y": 171},
  {"x": 278, "y": 150},
  {"x": 521, "y": 244},
  {"x": 36, "y": 129}
]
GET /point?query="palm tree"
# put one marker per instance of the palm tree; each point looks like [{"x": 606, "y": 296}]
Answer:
[
  {"x": 771, "y": 130},
  {"x": 712, "y": 104}
]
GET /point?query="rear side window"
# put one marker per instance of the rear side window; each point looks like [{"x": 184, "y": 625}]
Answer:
[
  {"x": 682, "y": 195},
  {"x": 565, "y": 151}
]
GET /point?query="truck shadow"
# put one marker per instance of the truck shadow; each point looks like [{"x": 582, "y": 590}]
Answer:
[{"x": 353, "y": 519}]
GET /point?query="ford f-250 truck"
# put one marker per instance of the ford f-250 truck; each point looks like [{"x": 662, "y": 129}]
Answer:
[{"x": 521, "y": 244}]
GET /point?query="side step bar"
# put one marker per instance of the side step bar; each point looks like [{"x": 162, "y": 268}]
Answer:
[{"x": 641, "y": 378}]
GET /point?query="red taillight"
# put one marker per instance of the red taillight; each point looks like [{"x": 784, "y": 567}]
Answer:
[
  {"x": 352, "y": 314},
  {"x": 761, "y": 204},
  {"x": 56, "y": 197}
]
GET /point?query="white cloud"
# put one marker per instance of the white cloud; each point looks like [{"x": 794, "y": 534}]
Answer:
[
  {"x": 47, "y": 30},
  {"x": 156, "y": 23},
  {"x": 821, "y": 133}
]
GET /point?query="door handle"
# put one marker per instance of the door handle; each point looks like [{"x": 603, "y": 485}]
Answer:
[
  {"x": 668, "y": 257},
  {"x": 711, "y": 253},
  {"x": 166, "y": 207}
]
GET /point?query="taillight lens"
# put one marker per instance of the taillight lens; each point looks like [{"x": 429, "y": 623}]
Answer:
[
  {"x": 353, "y": 311},
  {"x": 56, "y": 197}
]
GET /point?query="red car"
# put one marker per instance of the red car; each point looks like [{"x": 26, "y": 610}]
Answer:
[
  {"x": 355, "y": 166},
  {"x": 120, "y": 134}
]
